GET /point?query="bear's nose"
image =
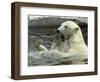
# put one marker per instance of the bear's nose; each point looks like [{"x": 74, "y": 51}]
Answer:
[{"x": 57, "y": 31}]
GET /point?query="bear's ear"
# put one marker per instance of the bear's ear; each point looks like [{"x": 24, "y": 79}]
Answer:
[
  {"x": 65, "y": 26},
  {"x": 76, "y": 29}
]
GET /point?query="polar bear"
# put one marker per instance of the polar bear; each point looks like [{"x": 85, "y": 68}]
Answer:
[
  {"x": 69, "y": 45},
  {"x": 73, "y": 40},
  {"x": 72, "y": 32}
]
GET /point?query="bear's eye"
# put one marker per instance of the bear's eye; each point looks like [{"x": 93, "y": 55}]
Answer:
[{"x": 65, "y": 26}]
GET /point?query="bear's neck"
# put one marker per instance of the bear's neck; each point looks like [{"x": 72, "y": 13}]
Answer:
[{"x": 76, "y": 38}]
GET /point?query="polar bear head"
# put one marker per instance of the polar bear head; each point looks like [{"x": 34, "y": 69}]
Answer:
[
  {"x": 71, "y": 31},
  {"x": 68, "y": 28}
]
